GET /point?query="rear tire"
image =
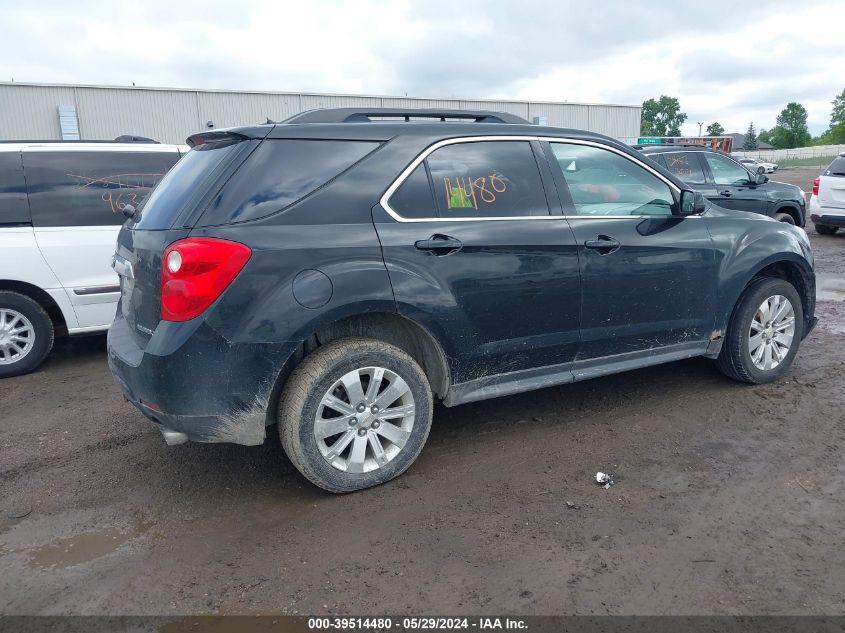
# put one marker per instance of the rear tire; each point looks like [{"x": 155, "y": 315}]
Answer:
[
  {"x": 26, "y": 334},
  {"x": 736, "y": 360},
  {"x": 355, "y": 413},
  {"x": 785, "y": 217},
  {"x": 761, "y": 170},
  {"x": 823, "y": 229}
]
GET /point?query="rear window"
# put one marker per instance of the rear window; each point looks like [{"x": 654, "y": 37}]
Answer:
[
  {"x": 90, "y": 188},
  {"x": 13, "y": 206},
  {"x": 184, "y": 184},
  {"x": 279, "y": 173},
  {"x": 837, "y": 167}
]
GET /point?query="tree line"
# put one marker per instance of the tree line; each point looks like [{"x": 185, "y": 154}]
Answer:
[{"x": 663, "y": 117}]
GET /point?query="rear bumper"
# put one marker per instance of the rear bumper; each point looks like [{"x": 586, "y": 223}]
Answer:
[
  {"x": 827, "y": 216},
  {"x": 190, "y": 380},
  {"x": 826, "y": 219}
]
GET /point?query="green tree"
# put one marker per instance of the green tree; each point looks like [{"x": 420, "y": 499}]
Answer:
[
  {"x": 838, "y": 114},
  {"x": 764, "y": 136},
  {"x": 835, "y": 134},
  {"x": 662, "y": 117},
  {"x": 791, "y": 129},
  {"x": 750, "y": 138},
  {"x": 715, "y": 129}
]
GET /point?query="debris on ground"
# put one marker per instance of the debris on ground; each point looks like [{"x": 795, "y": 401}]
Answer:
[
  {"x": 571, "y": 505},
  {"x": 604, "y": 479}
]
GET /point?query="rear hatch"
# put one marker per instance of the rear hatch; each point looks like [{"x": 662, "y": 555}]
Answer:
[
  {"x": 169, "y": 213},
  {"x": 832, "y": 185}
]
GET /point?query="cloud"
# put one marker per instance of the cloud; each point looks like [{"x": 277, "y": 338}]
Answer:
[{"x": 733, "y": 62}]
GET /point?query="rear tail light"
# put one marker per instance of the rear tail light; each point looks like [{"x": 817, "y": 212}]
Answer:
[
  {"x": 195, "y": 272},
  {"x": 816, "y": 186}
]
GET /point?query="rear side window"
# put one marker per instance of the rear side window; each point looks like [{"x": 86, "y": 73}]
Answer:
[
  {"x": 82, "y": 188},
  {"x": 414, "y": 199},
  {"x": 279, "y": 173},
  {"x": 184, "y": 184},
  {"x": 837, "y": 167},
  {"x": 474, "y": 180},
  {"x": 686, "y": 166},
  {"x": 13, "y": 206},
  {"x": 487, "y": 179}
]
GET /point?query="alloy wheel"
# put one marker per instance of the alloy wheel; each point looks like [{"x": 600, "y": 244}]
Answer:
[
  {"x": 17, "y": 336},
  {"x": 364, "y": 419},
  {"x": 772, "y": 332}
]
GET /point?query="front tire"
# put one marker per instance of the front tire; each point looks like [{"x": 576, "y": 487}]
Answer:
[
  {"x": 823, "y": 229},
  {"x": 764, "y": 332},
  {"x": 355, "y": 413},
  {"x": 785, "y": 217},
  {"x": 26, "y": 334}
]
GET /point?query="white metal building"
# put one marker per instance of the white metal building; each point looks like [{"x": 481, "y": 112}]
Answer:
[{"x": 169, "y": 115}]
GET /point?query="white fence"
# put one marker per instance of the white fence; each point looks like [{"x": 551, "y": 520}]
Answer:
[{"x": 821, "y": 152}]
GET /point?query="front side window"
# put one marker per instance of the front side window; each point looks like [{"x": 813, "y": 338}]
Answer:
[
  {"x": 603, "y": 183},
  {"x": 725, "y": 171},
  {"x": 82, "y": 188},
  {"x": 487, "y": 179},
  {"x": 685, "y": 165}
]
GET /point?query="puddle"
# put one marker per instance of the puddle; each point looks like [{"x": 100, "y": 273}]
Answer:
[
  {"x": 81, "y": 548},
  {"x": 830, "y": 288}
]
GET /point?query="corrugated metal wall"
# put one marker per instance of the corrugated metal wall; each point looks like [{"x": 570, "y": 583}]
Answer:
[{"x": 30, "y": 111}]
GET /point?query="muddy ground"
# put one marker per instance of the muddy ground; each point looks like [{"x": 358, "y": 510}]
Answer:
[{"x": 729, "y": 500}]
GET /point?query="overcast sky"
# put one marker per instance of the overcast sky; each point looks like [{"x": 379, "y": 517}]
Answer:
[{"x": 730, "y": 61}]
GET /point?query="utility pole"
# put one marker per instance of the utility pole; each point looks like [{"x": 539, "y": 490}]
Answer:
[{"x": 700, "y": 123}]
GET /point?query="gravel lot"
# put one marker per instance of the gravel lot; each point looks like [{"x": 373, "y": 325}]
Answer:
[{"x": 728, "y": 500}]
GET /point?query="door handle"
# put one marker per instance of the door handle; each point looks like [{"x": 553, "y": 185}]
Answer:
[
  {"x": 603, "y": 244},
  {"x": 726, "y": 193},
  {"x": 439, "y": 245}
]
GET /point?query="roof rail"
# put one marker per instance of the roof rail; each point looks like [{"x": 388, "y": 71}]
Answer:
[{"x": 359, "y": 115}]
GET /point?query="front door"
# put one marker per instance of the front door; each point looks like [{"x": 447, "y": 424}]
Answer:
[
  {"x": 475, "y": 256},
  {"x": 648, "y": 276},
  {"x": 732, "y": 186}
]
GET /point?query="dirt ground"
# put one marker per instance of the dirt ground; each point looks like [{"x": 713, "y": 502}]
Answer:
[{"x": 728, "y": 500}]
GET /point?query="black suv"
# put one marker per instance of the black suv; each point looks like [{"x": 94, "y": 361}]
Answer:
[
  {"x": 728, "y": 183},
  {"x": 341, "y": 271}
]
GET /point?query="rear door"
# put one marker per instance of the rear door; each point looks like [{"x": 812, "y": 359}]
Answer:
[
  {"x": 76, "y": 196},
  {"x": 832, "y": 186},
  {"x": 648, "y": 276},
  {"x": 733, "y": 186},
  {"x": 475, "y": 256}
]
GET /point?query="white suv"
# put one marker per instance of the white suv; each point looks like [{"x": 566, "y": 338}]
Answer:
[
  {"x": 827, "y": 204},
  {"x": 61, "y": 206}
]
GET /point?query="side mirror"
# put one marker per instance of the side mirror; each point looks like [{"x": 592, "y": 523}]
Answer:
[
  {"x": 761, "y": 179},
  {"x": 128, "y": 210},
  {"x": 692, "y": 203}
]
